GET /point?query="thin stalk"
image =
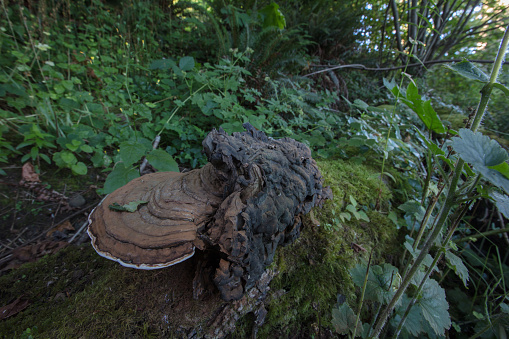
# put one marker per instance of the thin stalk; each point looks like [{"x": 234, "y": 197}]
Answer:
[
  {"x": 481, "y": 235},
  {"x": 430, "y": 269},
  {"x": 486, "y": 90},
  {"x": 361, "y": 301}
]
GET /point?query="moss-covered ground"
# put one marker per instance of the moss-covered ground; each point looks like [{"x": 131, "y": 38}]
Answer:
[{"x": 76, "y": 293}]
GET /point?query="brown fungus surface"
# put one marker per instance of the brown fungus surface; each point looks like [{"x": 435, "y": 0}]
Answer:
[{"x": 238, "y": 209}]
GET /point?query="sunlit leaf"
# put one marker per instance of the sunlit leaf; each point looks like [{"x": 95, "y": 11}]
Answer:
[
  {"x": 468, "y": 70},
  {"x": 272, "y": 16},
  {"x": 482, "y": 153}
]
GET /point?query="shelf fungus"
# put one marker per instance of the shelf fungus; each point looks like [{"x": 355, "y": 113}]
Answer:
[{"x": 236, "y": 210}]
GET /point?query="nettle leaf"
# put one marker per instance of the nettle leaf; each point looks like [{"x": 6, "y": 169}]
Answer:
[
  {"x": 130, "y": 207},
  {"x": 382, "y": 281},
  {"x": 502, "y": 202},
  {"x": 483, "y": 154},
  {"x": 457, "y": 265},
  {"x": 120, "y": 176},
  {"x": 186, "y": 63},
  {"x": 469, "y": 70},
  {"x": 162, "y": 161},
  {"x": 413, "y": 322},
  {"x": 434, "y": 306},
  {"x": 343, "y": 320}
]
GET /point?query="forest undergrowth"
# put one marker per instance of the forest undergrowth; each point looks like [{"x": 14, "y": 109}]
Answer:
[{"x": 100, "y": 88}]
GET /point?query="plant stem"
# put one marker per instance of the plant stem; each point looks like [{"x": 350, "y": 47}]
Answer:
[
  {"x": 488, "y": 88},
  {"x": 362, "y": 294}
]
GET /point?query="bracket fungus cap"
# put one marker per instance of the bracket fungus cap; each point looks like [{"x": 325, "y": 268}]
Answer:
[{"x": 162, "y": 232}]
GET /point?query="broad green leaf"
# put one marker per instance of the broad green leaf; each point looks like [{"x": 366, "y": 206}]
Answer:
[
  {"x": 162, "y": 64},
  {"x": 120, "y": 176},
  {"x": 79, "y": 168},
  {"x": 343, "y": 320},
  {"x": 502, "y": 202},
  {"x": 502, "y": 168},
  {"x": 382, "y": 281},
  {"x": 482, "y": 153},
  {"x": 130, "y": 207},
  {"x": 131, "y": 152},
  {"x": 468, "y": 70},
  {"x": 186, "y": 63},
  {"x": 272, "y": 16},
  {"x": 414, "y": 208},
  {"x": 502, "y": 88},
  {"x": 423, "y": 109},
  {"x": 434, "y": 306},
  {"x": 68, "y": 157},
  {"x": 413, "y": 322},
  {"x": 505, "y": 308},
  {"x": 162, "y": 161},
  {"x": 455, "y": 262}
]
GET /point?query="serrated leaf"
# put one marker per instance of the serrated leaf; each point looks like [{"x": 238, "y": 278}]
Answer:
[
  {"x": 117, "y": 178},
  {"x": 502, "y": 203},
  {"x": 414, "y": 208},
  {"x": 502, "y": 88},
  {"x": 468, "y": 70},
  {"x": 413, "y": 322},
  {"x": 434, "y": 306},
  {"x": 483, "y": 153},
  {"x": 457, "y": 265},
  {"x": 131, "y": 152},
  {"x": 343, "y": 320},
  {"x": 381, "y": 280},
  {"x": 162, "y": 161},
  {"x": 502, "y": 168},
  {"x": 130, "y": 207},
  {"x": 186, "y": 63}
]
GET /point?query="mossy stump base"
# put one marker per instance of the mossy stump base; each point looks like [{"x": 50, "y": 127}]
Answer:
[{"x": 76, "y": 293}]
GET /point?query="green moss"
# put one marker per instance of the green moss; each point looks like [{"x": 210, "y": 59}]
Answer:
[
  {"x": 314, "y": 270},
  {"x": 76, "y": 293}
]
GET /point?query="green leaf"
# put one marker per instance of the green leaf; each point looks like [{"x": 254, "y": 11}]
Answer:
[
  {"x": 433, "y": 304},
  {"x": 414, "y": 208},
  {"x": 423, "y": 109},
  {"x": 382, "y": 281},
  {"x": 468, "y": 70},
  {"x": 131, "y": 152},
  {"x": 502, "y": 202},
  {"x": 505, "y": 308},
  {"x": 79, "y": 168},
  {"x": 68, "y": 157},
  {"x": 272, "y": 16},
  {"x": 162, "y": 161},
  {"x": 502, "y": 88},
  {"x": 343, "y": 320},
  {"x": 186, "y": 63},
  {"x": 120, "y": 176},
  {"x": 482, "y": 153},
  {"x": 428, "y": 259},
  {"x": 413, "y": 322},
  {"x": 457, "y": 265},
  {"x": 502, "y": 168},
  {"x": 130, "y": 207}
]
